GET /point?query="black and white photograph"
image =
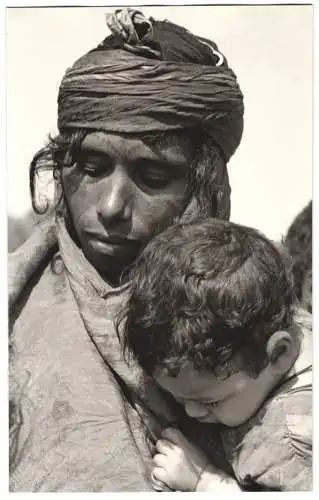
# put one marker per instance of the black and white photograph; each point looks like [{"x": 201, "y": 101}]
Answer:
[{"x": 159, "y": 247}]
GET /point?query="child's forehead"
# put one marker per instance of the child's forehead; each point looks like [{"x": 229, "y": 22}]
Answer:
[{"x": 190, "y": 383}]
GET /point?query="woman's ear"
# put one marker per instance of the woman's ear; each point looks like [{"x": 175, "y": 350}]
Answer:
[{"x": 282, "y": 350}]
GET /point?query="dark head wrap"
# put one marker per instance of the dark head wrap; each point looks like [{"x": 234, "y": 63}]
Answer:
[{"x": 150, "y": 76}]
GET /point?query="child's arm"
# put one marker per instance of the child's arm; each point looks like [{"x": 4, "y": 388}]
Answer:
[
  {"x": 212, "y": 479},
  {"x": 184, "y": 467}
]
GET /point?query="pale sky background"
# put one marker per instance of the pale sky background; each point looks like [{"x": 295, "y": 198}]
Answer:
[{"x": 270, "y": 50}]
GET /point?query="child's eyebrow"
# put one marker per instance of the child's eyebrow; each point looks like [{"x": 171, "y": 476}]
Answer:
[{"x": 203, "y": 397}]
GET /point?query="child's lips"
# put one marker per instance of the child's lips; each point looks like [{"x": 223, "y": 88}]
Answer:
[{"x": 208, "y": 419}]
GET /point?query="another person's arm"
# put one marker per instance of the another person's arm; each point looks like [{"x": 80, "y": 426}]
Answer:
[{"x": 26, "y": 259}]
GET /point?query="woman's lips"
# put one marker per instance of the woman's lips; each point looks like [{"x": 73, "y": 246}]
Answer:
[
  {"x": 114, "y": 239},
  {"x": 112, "y": 244}
]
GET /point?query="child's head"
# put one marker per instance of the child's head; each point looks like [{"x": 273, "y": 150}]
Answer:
[{"x": 207, "y": 316}]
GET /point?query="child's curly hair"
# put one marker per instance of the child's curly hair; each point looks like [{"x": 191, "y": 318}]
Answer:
[{"x": 209, "y": 292}]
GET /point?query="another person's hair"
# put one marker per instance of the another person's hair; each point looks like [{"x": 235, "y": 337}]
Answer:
[
  {"x": 210, "y": 293},
  {"x": 299, "y": 243}
]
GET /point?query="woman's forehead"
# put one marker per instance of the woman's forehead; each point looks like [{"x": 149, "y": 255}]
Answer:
[{"x": 171, "y": 147}]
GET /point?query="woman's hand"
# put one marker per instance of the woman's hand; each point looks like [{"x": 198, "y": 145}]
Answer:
[{"x": 178, "y": 463}]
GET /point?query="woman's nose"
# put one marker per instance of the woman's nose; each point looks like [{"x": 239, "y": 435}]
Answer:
[
  {"x": 115, "y": 203},
  {"x": 195, "y": 410}
]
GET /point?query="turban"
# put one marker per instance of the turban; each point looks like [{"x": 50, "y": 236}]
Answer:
[{"x": 152, "y": 76}]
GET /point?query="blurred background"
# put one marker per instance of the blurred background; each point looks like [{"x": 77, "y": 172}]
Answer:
[{"x": 268, "y": 46}]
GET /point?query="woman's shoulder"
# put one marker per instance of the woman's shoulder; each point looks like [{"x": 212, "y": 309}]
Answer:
[{"x": 29, "y": 260}]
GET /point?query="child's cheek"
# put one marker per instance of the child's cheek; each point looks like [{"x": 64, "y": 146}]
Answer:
[{"x": 241, "y": 384}]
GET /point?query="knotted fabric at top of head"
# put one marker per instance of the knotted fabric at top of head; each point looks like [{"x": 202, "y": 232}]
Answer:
[{"x": 150, "y": 76}]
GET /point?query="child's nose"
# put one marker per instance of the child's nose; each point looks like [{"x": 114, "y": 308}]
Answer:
[{"x": 195, "y": 410}]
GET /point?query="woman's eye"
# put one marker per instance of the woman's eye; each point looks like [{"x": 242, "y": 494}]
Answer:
[
  {"x": 94, "y": 167},
  {"x": 92, "y": 171},
  {"x": 154, "y": 177}
]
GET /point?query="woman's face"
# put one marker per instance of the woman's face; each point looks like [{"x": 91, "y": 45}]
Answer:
[{"x": 122, "y": 191}]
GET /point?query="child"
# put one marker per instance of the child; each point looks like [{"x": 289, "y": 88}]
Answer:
[{"x": 211, "y": 317}]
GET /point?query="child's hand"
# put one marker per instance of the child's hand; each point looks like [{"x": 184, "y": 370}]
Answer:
[{"x": 178, "y": 463}]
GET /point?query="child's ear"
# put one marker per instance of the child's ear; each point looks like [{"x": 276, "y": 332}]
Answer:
[{"x": 282, "y": 350}]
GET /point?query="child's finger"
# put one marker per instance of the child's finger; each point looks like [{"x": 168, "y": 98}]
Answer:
[
  {"x": 164, "y": 446},
  {"x": 159, "y": 460},
  {"x": 158, "y": 476},
  {"x": 173, "y": 435}
]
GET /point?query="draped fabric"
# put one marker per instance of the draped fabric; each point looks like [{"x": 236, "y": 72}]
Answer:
[
  {"x": 150, "y": 76},
  {"x": 73, "y": 428}
]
